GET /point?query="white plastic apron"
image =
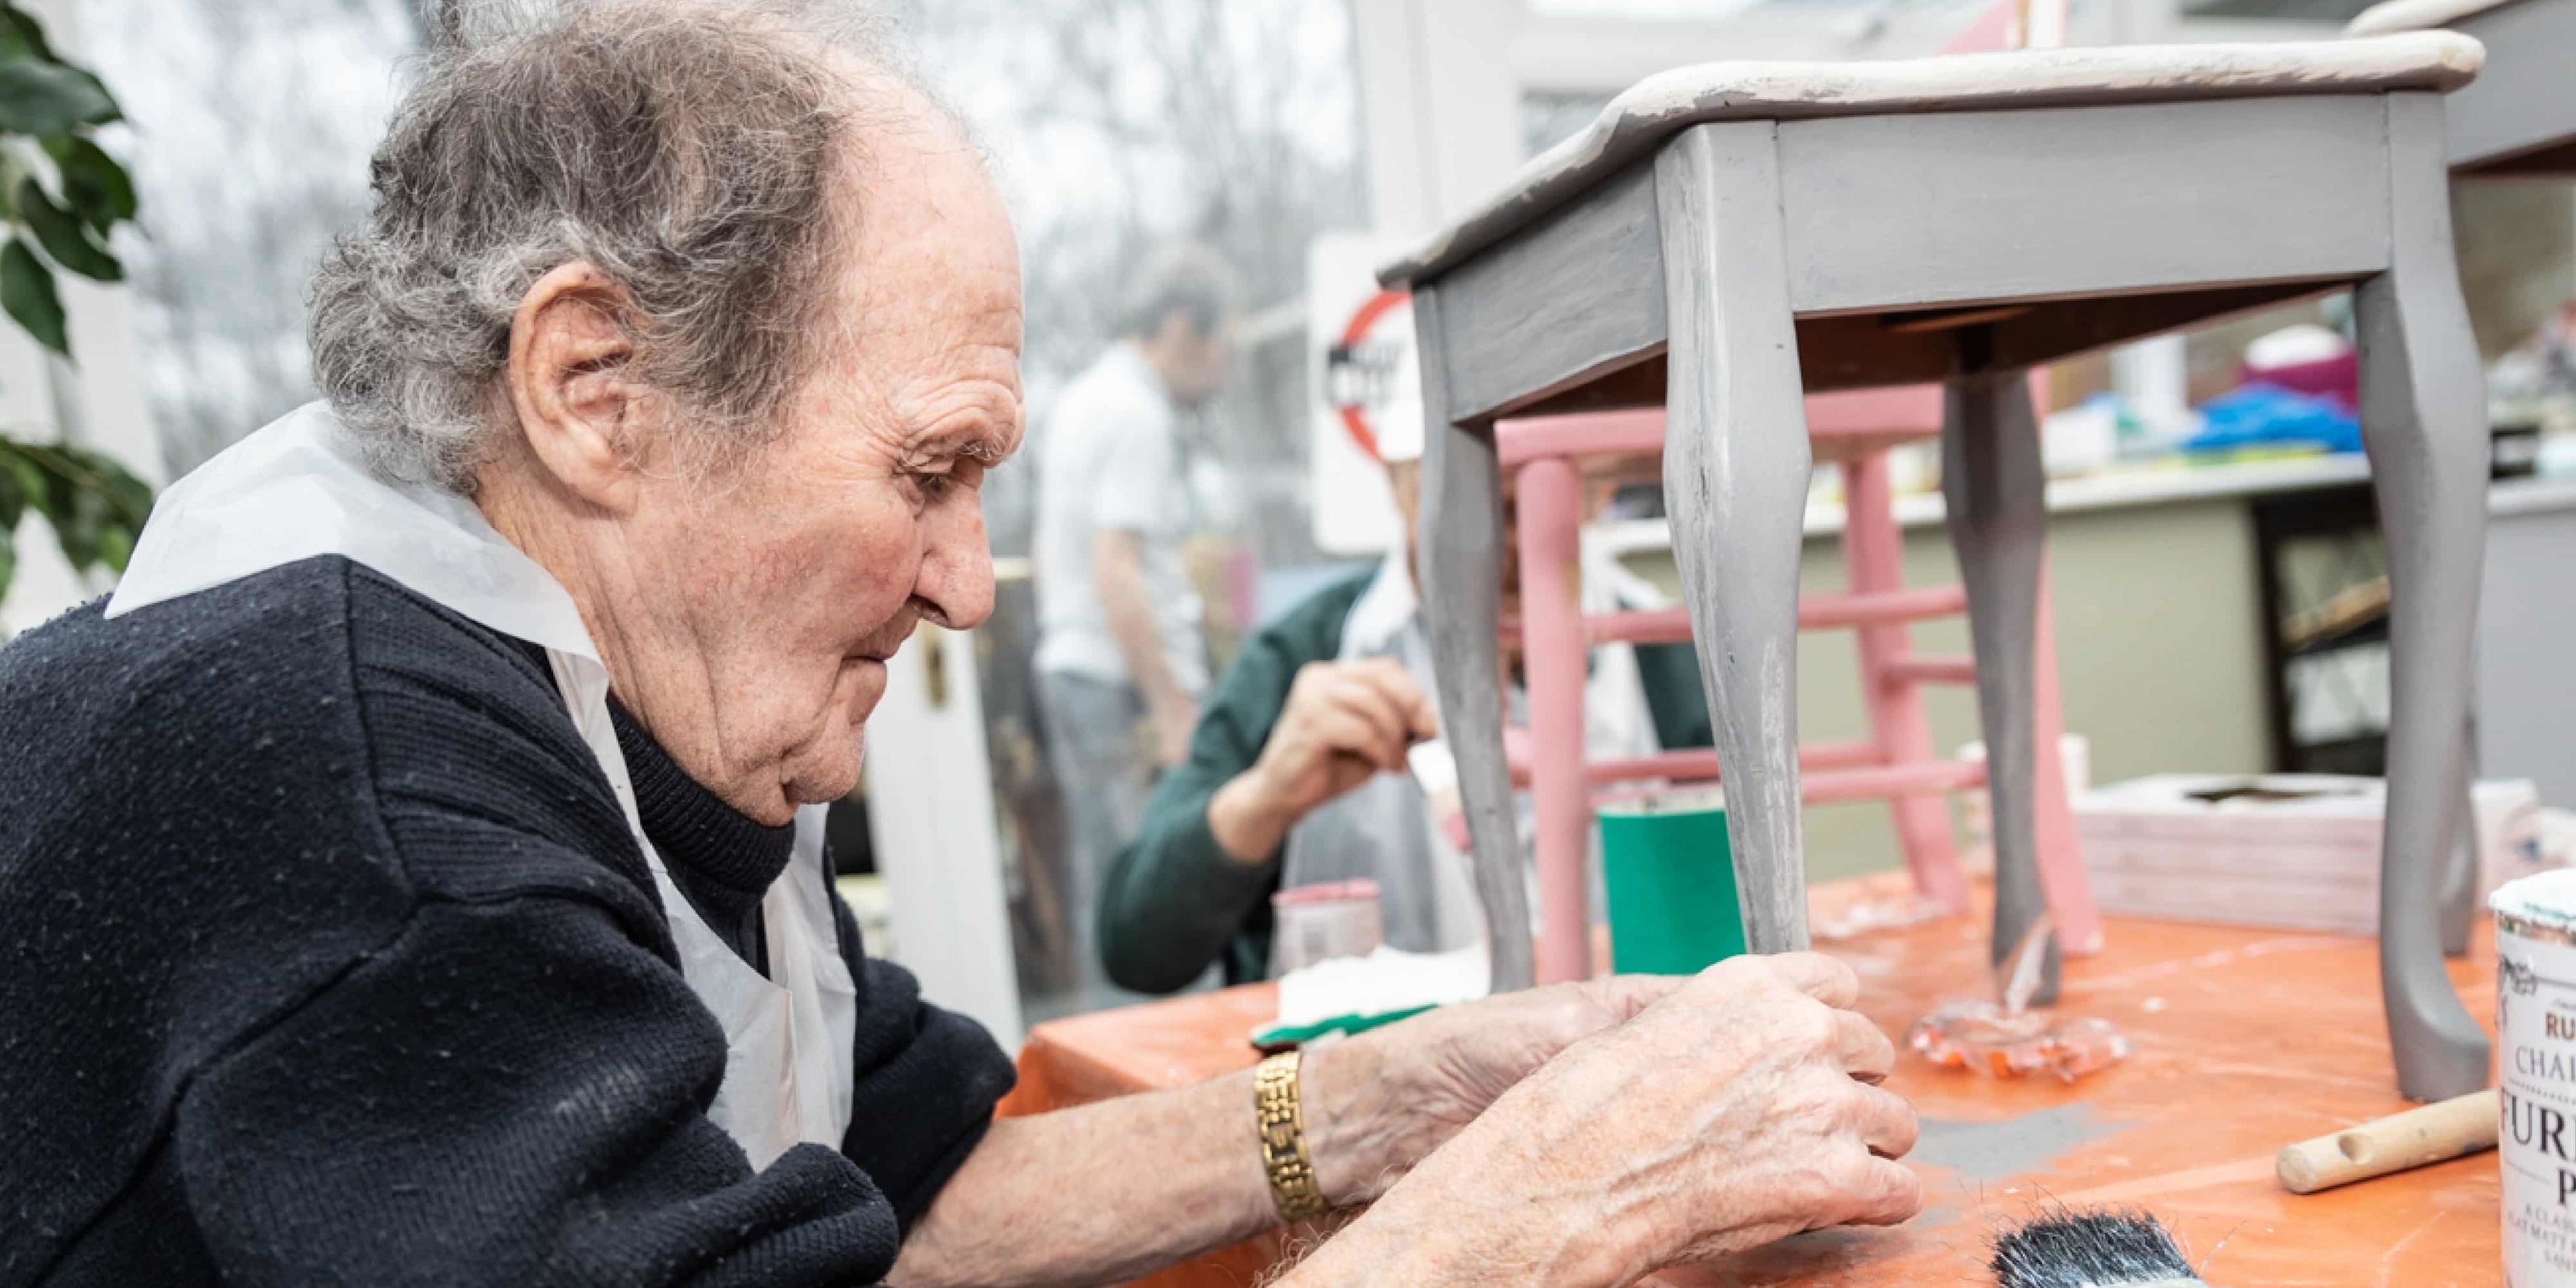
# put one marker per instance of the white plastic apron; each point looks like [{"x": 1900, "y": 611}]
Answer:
[
  {"x": 1382, "y": 829},
  {"x": 297, "y": 489}
]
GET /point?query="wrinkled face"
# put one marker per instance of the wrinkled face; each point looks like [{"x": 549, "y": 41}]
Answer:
[{"x": 808, "y": 566}]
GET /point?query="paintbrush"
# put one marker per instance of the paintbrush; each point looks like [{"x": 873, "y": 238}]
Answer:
[{"x": 2107, "y": 1249}]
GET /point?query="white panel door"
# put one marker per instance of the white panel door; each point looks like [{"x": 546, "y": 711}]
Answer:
[{"x": 930, "y": 816}]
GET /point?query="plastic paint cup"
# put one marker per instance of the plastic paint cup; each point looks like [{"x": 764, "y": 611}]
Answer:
[
  {"x": 1315, "y": 923},
  {"x": 1670, "y": 880}
]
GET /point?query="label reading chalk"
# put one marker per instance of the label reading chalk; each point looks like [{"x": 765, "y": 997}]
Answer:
[{"x": 2536, "y": 1030}]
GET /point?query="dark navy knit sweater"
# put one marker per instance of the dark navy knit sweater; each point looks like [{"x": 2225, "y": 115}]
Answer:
[{"x": 326, "y": 958}]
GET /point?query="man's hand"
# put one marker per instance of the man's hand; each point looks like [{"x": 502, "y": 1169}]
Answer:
[
  {"x": 1384, "y": 1100},
  {"x": 1666, "y": 1121},
  {"x": 1762, "y": 1071},
  {"x": 1740, "y": 1108},
  {"x": 1343, "y": 723}
]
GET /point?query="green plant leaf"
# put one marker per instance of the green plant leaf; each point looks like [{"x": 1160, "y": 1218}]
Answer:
[
  {"x": 27, "y": 292},
  {"x": 30, "y": 477},
  {"x": 13, "y": 495},
  {"x": 129, "y": 498},
  {"x": 64, "y": 237},
  {"x": 50, "y": 98},
  {"x": 79, "y": 516},
  {"x": 49, "y": 476},
  {"x": 22, "y": 39},
  {"x": 21, "y": 36},
  {"x": 115, "y": 110},
  {"x": 96, "y": 507},
  {"x": 116, "y": 546},
  {"x": 8, "y": 560},
  {"x": 95, "y": 187},
  {"x": 133, "y": 498}
]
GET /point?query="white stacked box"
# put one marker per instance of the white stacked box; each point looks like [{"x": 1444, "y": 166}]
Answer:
[{"x": 2289, "y": 851}]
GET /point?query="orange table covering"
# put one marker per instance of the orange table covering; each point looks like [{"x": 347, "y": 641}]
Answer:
[{"x": 2245, "y": 1041}]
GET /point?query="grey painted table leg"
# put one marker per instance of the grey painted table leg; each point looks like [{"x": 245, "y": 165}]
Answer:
[
  {"x": 1460, "y": 559},
  {"x": 2460, "y": 905},
  {"x": 1735, "y": 482},
  {"x": 1996, "y": 492},
  {"x": 2423, "y": 421}
]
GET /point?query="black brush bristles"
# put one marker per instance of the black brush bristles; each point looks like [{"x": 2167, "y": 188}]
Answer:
[{"x": 2110, "y": 1248}]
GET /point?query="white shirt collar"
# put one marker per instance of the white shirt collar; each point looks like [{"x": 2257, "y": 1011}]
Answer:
[{"x": 298, "y": 489}]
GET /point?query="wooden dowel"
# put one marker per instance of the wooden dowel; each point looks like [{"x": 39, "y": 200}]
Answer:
[{"x": 2435, "y": 1133}]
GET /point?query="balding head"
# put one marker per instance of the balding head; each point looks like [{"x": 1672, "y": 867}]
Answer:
[{"x": 709, "y": 157}]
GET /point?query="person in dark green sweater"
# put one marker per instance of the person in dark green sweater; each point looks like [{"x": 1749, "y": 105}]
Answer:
[{"x": 1295, "y": 769}]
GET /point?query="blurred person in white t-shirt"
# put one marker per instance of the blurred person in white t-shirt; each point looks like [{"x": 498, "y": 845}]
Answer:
[{"x": 1121, "y": 662}]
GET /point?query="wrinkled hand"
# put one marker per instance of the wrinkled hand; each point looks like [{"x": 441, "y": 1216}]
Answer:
[
  {"x": 1739, "y": 1109},
  {"x": 1387, "y": 1098},
  {"x": 1343, "y": 723}
]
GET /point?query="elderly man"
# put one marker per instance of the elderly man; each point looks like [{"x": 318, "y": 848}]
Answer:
[{"x": 411, "y": 875}]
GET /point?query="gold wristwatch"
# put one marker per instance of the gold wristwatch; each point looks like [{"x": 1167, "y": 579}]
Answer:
[{"x": 1280, "y": 1117}]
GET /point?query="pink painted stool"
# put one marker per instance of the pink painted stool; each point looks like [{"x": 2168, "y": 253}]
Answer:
[{"x": 1897, "y": 764}]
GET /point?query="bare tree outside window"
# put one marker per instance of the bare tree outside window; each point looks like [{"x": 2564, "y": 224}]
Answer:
[{"x": 252, "y": 123}]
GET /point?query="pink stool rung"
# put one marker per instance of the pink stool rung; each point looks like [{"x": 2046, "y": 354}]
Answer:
[{"x": 1897, "y": 764}]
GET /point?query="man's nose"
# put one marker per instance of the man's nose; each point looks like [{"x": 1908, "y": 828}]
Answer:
[{"x": 957, "y": 567}]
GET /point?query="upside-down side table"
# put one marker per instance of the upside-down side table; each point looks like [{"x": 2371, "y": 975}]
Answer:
[{"x": 1727, "y": 237}]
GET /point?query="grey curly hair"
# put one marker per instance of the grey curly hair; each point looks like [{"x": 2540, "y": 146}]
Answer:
[{"x": 693, "y": 150}]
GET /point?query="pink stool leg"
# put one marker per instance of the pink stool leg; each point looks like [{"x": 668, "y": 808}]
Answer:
[
  {"x": 1553, "y": 656},
  {"x": 2061, "y": 850},
  {"x": 1873, "y": 552}
]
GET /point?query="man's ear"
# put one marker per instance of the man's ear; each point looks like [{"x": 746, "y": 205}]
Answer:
[{"x": 578, "y": 410}]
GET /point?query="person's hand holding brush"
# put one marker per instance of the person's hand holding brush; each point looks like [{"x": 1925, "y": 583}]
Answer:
[
  {"x": 1741, "y": 1108},
  {"x": 1343, "y": 723}
]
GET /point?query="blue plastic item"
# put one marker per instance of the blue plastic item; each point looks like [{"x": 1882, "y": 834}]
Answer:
[{"x": 2264, "y": 415}]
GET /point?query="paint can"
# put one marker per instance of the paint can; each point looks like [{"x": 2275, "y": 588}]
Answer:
[
  {"x": 1668, "y": 877},
  {"x": 2536, "y": 1036}
]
